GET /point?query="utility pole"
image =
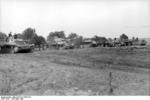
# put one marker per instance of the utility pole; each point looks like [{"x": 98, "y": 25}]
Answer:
[
  {"x": 110, "y": 84},
  {"x": 110, "y": 81}
]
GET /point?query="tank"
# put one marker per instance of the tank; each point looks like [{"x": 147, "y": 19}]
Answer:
[
  {"x": 7, "y": 48},
  {"x": 22, "y": 46},
  {"x": 15, "y": 46}
]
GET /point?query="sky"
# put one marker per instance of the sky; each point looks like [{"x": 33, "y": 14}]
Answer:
[{"x": 109, "y": 18}]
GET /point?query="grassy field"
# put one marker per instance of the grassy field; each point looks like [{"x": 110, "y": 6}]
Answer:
[{"x": 76, "y": 72}]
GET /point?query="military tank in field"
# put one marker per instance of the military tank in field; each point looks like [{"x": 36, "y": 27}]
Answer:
[{"x": 15, "y": 45}]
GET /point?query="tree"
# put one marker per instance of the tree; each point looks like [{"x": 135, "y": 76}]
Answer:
[
  {"x": 123, "y": 37},
  {"x": 95, "y": 38},
  {"x": 28, "y": 34},
  {"x": 59, "y": 34},
  {"x": 38, "y": 40},
  {"x": 99, "y": 39},
  {"x": 41, "y": 40},
  {"x": 137, "y": 39},
  {"x": 133, "y": 38},
  {"x": 3, "y": 36},
  {"x": 143, "y": 42},
  {"x": 110, "y": 39},
  {"x": 72, "y": 36},
  {"x": 78, "y": 41}
]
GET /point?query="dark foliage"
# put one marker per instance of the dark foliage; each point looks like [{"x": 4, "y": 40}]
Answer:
[
  {"x": 99, "y": 39},
  {"x": 3, "y": 36},
  {"x": 28, "y": 34},
  {"x": 59, "y": 34},
  {"x": 123, "y": 37}
]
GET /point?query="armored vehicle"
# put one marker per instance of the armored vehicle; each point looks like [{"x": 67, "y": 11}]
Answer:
[
  {"x": 15, "y": 46},
  {"x": 22, "y": 46}
]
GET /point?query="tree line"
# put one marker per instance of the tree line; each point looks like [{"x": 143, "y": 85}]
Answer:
[
  {"x": 28, "y": 34},
  {"x": 31, "y": 35}
]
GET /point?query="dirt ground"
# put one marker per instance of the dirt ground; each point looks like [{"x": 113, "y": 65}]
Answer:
[{"x": 76, "y": 72}]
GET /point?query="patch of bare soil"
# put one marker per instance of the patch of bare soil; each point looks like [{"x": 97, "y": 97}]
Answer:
[{"x": 67, "y": 73}]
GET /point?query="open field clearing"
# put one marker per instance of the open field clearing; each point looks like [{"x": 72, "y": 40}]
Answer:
[{"x": 76, "y": 72}]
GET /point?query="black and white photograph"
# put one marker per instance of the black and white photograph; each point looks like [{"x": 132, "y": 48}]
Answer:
[{"x": 74, "y": 48}]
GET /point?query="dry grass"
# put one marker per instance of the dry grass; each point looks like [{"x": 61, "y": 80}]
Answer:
[
  {"x": 100, "y": 56},
  {"x": 76, "y": 72}
]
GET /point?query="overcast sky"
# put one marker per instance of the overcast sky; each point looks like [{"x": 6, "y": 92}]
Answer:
[{"x": 107, "y": 18}]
